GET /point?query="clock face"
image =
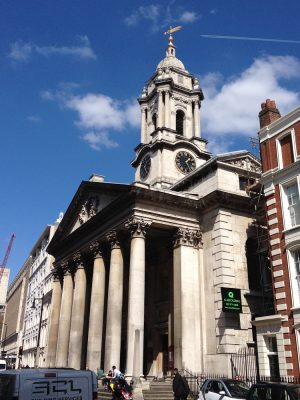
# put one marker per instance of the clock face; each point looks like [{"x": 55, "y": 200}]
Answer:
[
  {"x": 185, "y": 162},
  {"x": 145, "y": 166}
]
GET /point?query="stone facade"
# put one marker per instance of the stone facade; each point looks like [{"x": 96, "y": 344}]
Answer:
[
  {"x": 139, "y": 268},
  {"x": 14, "y": 316}
]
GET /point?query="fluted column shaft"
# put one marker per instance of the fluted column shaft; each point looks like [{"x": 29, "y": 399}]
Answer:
[
  {"x": 54, "y": 321},
  {"x": 114, "y": 305},
  {"x": 65, "y": 322},
  {"x": 96, "y": 311},
  {"x": 136, "y": 298},
  {"x": 75, "y": 346}
]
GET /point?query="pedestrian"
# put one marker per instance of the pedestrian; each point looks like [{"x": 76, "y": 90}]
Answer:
[
  {"x": 180, "y": 386},
  {"x": 116, "y": 373}
]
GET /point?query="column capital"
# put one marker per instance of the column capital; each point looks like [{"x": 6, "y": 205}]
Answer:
[
  {"x": 78, "y": 260},
  {"x": 95, "y": 249},
  {"x": 187, "y": 237},
  {"x": 112, "y": 237},
  {"x": 66, "y": 268},
  {"x": 57, "y": 273},
  {"x": 137, "y": 226}
]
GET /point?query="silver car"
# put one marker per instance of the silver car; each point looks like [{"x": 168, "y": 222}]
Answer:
[{"x": 223, "y": 389}]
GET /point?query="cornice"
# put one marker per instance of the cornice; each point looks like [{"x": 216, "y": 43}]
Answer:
[{"x": 159, "y": 144}]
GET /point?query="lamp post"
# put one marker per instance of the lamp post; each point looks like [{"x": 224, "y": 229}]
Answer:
[{"x": 37, "y": 353}]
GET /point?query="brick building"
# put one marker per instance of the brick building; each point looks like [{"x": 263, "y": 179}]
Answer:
[{"x": 278, "y": 337}]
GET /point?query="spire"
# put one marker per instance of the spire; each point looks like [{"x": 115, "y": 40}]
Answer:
[{"x": 171, "y": 47}]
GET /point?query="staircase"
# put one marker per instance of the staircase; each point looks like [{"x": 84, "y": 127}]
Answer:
[
  {"x": 103, "y": 394},
  {"x": 159, "y": 391}
]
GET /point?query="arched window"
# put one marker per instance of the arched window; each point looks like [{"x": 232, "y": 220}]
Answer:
[
  {"x": 179, "y": 122},
  {"x": 154, "y": 121}
]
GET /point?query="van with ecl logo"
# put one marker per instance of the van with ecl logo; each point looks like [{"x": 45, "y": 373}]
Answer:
[{"x": 48, "y": 384}]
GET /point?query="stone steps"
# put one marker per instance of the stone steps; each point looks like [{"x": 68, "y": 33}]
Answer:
[{"x": 159, "y": 391}]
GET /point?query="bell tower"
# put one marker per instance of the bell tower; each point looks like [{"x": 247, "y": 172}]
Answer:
[{"x": 171, "y": 144}]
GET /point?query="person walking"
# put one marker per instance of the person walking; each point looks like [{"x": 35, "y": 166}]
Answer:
[{"x": 180, "y": 386}]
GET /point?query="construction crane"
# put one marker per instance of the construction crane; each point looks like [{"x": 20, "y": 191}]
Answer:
[{"x": 4, "y": 262}]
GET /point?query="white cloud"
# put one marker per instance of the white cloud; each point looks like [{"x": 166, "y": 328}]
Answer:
[
  {"x": 97, "y": 140},
  {"x": 231, "y": 107},
  {"x": 34, "y": 118},
  {"x": 20, "y": 51},
  {"x": 188, "y": 17},
  {"x": 98, "y": 116},
  {"x": 160, "y": 17}
]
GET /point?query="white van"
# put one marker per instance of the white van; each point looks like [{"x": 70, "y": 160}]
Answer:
[
  {"x": 2, "y": 365},
  {"x": 48, "y": 384}
]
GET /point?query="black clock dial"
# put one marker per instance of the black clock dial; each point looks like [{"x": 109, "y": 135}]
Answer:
[
  {"x": 185, "y": 162},
  {"x": 145, "y": 166}
]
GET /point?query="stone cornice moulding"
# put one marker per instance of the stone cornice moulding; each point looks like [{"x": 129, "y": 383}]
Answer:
[{"x": 269, "y": 320}]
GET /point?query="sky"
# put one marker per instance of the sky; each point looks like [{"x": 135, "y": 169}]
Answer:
[{"x": 71, "y": 72}]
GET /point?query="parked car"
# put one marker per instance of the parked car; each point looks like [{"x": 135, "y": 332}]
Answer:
[
  {"x": 2, "y": 365},
  {"x": 48, "y": 384},
  {"x": 223, "y": 389},
  {"x": 274, "y": 391}
]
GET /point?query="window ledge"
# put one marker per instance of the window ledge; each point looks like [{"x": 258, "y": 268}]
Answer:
[{"x": 293, "y": 228}]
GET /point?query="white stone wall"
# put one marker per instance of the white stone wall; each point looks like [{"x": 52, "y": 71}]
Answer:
[{"x": 225, "y": 265}]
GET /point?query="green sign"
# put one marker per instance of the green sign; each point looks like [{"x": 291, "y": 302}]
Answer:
[{"x": 231, "y": 300}]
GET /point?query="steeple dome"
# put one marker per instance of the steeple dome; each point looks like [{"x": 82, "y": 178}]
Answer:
[{"x": 170, "y": 60}]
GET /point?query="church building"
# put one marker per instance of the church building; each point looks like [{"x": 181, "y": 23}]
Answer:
[{"x": 140, "y": 269}]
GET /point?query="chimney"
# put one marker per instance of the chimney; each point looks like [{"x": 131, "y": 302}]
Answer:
[{"x": 269, "y": 113}]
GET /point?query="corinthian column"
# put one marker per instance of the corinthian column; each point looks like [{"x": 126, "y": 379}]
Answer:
[
  {"x": 136, "y": 298},
  {"x": 54, "y": 318},
  {"x": 96, "y": 310},
  {"x": 76, "y": 333},
  {"x": 114, "y": 304},
  {"x": 186, "y": 299},
  {"x": 160, "y": 110},
  {"x": 143, "y": 126},
  {"x": 197, "y": 119},
  {"x": 65, "y": 321},
  {"x": 167, "y": 109}
]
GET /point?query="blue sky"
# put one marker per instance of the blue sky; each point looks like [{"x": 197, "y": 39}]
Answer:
[{"x": 70, "y": 73}]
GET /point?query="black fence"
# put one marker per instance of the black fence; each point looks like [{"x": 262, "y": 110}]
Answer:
[{"x": 195, "y": 381}]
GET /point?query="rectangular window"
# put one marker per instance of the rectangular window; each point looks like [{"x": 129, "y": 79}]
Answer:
[
  {"x": 296, "y": 257},
  {"x": 291, "y": 205},
  {"x": 287, "y": 153}
]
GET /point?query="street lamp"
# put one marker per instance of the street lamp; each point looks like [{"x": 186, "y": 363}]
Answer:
[{"x": 37, "y": 353}]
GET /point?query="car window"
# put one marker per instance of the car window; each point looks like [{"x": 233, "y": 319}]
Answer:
[
  {"x": 258, "y": 393},
  {"x": 237, "y": 388},
  {"x": 214, "y": 386}
]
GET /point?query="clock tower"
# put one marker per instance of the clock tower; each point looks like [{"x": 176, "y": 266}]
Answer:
[{"x": 171, "y": 144}]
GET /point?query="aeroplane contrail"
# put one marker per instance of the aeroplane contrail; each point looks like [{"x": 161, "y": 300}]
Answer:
[{"x": 250, "y": 38}]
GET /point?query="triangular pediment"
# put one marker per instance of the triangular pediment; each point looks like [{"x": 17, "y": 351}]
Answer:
[
  {"x": 241, "y": 160},
  {"x": 90, "y": 200}
]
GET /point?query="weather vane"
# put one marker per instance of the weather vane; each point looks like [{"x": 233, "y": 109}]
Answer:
[{"x": 172, "y": 30}]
